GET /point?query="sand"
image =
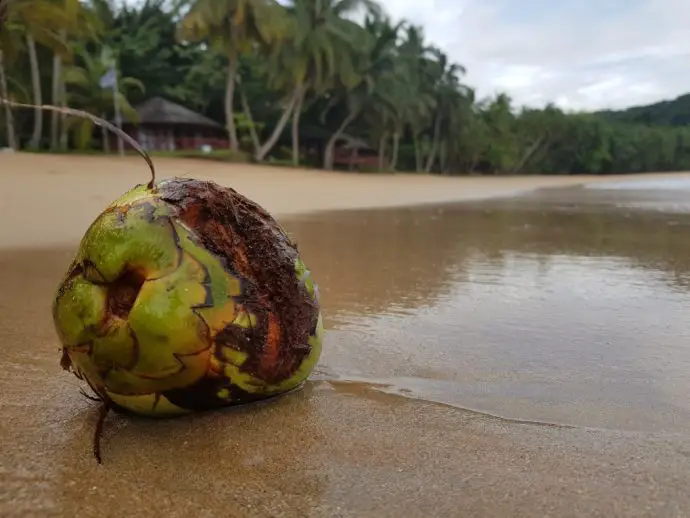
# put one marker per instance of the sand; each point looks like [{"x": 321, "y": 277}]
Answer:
[
  {"x": 67, "y": 192},
  {"x": 334, "y": 449}
]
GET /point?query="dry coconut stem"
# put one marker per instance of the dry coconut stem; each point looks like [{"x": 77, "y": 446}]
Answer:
[
  {"x": 98, "y": 432},
  {"x": 96, "y": 120}
]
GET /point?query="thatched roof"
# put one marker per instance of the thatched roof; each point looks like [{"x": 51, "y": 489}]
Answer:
[
  {"x": 350, "y": 142},
  {"x": 161, "y": 111}
]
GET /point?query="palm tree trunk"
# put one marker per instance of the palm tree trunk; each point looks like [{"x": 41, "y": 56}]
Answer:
[
  {"x": 382, "y": 151},
  {"x": 330, "y": 146},
  {"x": 295, "y": 126},
  {"x": 9, "y": 121},
  {"x": 229, "y": 101},
  {"x": 64, "y": 135},
  {"x": 104, "y": 136},
  {"x": 443, "y": 157},
  {"x": 417, "y": 153},
  {"x": 473, "y": 163},
  {"x": 248, "y": 113},
  {"x": 36, "y": 87},
  {"x": 527, "y": 155},
  {"x": 280, "y": 126},
  {"x": 396, "y": 149},
  {"x": 57, "y": 79},
  {"x": 55, "y": 95},
  {"x": 434, "y": 145}
]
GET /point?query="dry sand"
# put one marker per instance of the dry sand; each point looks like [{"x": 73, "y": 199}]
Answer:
[
  {"x": 52, "y": 198},
  {"x": 331, "y": 450}
]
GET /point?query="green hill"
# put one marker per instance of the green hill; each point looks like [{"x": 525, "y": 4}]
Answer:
[{"x": 675, "y": 112}]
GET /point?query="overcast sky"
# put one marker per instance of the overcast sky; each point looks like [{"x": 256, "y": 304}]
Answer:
[{"x": 581, "y": 54}]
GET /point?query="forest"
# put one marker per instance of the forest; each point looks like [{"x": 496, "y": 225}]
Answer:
[{"x": 266, "y": 70}]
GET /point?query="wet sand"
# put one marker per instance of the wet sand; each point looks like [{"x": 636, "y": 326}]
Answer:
[{"x": 515, "y": 357}]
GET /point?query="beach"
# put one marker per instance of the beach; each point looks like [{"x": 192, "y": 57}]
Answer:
[
  {"x": 77, "y": 188},
  {"x": 495, "y": 347}
]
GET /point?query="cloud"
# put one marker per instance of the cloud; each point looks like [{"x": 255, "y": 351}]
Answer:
[{"x": 585, "y": 54}]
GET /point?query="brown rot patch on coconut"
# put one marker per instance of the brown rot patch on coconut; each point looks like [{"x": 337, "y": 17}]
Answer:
[
  {"x": 203, "y": 395},
  {"x": 123, "y": 292},
  {"x": 251, "y": 245},
  {"x": 241, "y": 338}
]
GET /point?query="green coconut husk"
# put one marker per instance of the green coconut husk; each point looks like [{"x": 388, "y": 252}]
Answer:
[{"x": 185, "y": 296}]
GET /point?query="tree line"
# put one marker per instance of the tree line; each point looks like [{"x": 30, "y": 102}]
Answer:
[{"x": 267, "y": 70}]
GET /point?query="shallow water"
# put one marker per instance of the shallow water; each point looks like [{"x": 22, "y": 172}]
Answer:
[
  {"x": 562, "y": 306},
  {"x": 647, "y": 184}
]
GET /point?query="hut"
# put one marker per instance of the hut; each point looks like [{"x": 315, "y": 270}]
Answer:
[
  {"x": 350, "y": 152},
  {"x": 354, "y": 153},
  {"x": 167, "y": 126}
]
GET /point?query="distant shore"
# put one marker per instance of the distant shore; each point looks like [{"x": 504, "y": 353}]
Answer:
[{"x": 49, "y": 200}]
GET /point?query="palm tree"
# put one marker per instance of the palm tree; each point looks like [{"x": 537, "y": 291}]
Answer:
[
  {"x": 36, "y": 22},
  {"x": 502, "y": 148},
  {"x": 383, "y": 114},
  {"x": 8, "y": 40},
  {"x": 419, "y": 102},
  {"x": 373, "y": 61},
  {"x": 455, "y": 126},
  {"x": 83, "y": 23},
  {"x": 379, "y": 118},
  {"x": 235, "y": 26},
  {"x": 449, "y": 95},
  {"x": 391, "y": 94},
  {"x": 86, "y": 94},
  {"x": 315, "y": 51},
  {"x": 278, "y": 74}
]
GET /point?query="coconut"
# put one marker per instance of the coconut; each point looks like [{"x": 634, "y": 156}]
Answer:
[{"x": 185, "y": 296}]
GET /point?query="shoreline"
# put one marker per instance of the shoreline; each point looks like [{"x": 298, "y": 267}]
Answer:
[{"x": 57, "y": 196}]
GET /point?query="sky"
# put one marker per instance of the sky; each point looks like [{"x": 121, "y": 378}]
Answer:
[{"x": 579, "y": 54}]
